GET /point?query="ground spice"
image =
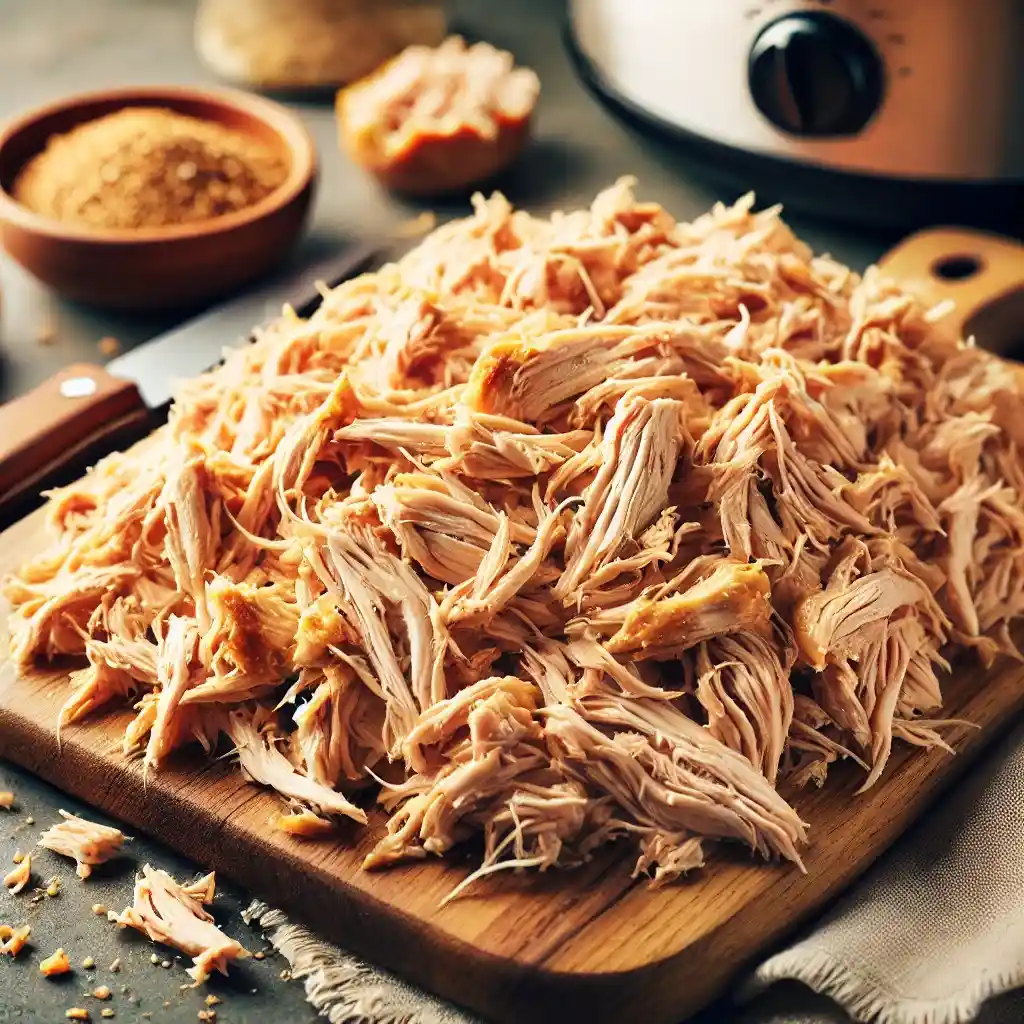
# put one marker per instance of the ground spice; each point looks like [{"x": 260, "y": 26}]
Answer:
[{"x": 146, "y": 167}]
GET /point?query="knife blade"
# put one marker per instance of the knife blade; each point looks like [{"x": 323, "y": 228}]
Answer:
[{"x": 85, "y": 411}]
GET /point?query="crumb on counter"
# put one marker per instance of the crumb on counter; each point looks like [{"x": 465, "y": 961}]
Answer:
[
  {"x": 108, "y": 346},
  {"x": 165, "y": 964},
  {"x": 153, "y": 958},
  {"x": 6, "y": 799},
  {"x": 88, "y": 963},
  {"x": 12, "y": 940},
  {"x": 208, "y": 1015},
  {"x": 56, "y": 963},
  {"x": 259, "y": 955},
  {"x": 212, "y": 1000},
  {"x": 77, "y": 1013},
  {"x": 16, "y": 879},
  {"x": 18, "y": 857},
  {"x": 115, "y": 966},
  {"x": 30, "y": 820},
  {"x": 106, "y": 1012},
  {"x": 102, "y": 992},
  {"x": 99, "y": 909},
  {"x": 53, "y": 886}
]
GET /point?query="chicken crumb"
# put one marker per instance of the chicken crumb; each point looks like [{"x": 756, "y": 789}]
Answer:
[
  {"x": 88, "y": 963},
  {"x": 18, "y": 878},
  {"x": 102, "y": 992},
  {"x": 53, "y": 887},
  {"x": 106, "y": 1012},
  {"x": 56, "y": 963},
  {"x": 18, "y": 857},
  {"x": 108, "y": 346},
  {"x": 99, "y": 909},
  {"x": 153, "y": 958},
  {"x": 30, "y": 820},
  {"x": 286, "y": 975},
  {"x": 12, "y": 940},
  {"x": 259, "y": 955},
  {"x": 208, "y": 1015},
  {"x": 115, "y": 966},
  {"x": 212, "y": 1000},
  {"x": 77, "y": 1013},
  {"x": 165, "y": 964},
  {"x": 6, "y": 799}
]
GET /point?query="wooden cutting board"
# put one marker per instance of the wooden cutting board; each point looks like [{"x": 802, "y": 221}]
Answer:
[{"x": 591, "y": 944}]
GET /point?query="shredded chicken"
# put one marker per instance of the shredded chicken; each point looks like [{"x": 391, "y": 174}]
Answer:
[
  {"x": 555, "y": 532},
  {"x": 168, "y": 912},
  {"x": 86, "y": 842}
]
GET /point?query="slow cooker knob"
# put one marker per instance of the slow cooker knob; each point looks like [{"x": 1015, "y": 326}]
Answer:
[{"x": 815, "y": 73}]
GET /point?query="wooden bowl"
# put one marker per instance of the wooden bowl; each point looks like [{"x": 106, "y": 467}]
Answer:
[{"x": 166, "y": 266}]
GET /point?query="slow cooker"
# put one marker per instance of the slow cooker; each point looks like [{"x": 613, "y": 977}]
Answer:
[{"x": 906, "y": 111}]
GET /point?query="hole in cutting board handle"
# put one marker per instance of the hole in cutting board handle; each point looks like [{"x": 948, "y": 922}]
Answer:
[
  {"x": 998, "y": 326},
  {"x": 957, "y": 268}
]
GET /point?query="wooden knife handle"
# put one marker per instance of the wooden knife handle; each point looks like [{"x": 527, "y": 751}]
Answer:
[
  {"x": 78, "y": 413},
  {"x": 972, "y": 268}
]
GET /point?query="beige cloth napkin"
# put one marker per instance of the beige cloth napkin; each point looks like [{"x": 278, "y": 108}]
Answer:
[{"x": 934, "y": 930}]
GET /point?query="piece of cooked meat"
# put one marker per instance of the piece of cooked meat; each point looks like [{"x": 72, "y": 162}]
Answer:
[
  {"x": 669, "y": 774},
  {"x": 734, "y": 598},
  {"x": 167, "y": 912},
  {"x": 746, "y": 692},
  {"x": 13, "y": 939},
  {"x": 304, "y": 824},
  {"x": 264, "y": 764},
  {"x": 87, "y": 842},
  {"x": 433, "y": 120},
  {"x": 639, "y": 453},
  {"x": 18, "y": 877},
  {"x": 55, "y": 964},
  {"x": 555, "y": 532},
  {"x": 829, "y": 622}
]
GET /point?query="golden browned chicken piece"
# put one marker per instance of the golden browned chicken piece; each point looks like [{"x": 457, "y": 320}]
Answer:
[{"x": 435, "y": 120}]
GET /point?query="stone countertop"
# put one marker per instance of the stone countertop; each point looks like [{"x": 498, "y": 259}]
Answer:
[{"x": 50, "y": 48}]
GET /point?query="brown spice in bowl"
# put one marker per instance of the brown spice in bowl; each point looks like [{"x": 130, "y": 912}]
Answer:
[{"x": 148, "y": 167}]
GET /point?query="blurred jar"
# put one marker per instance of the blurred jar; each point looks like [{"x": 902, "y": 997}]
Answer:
[{"x": 310, "y": 44}]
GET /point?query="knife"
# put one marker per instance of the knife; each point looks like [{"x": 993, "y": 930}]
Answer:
[{"x": 85, "y": 411}]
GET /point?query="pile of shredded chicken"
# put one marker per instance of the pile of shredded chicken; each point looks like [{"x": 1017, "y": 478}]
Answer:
[{"x": 595, "y": 527}]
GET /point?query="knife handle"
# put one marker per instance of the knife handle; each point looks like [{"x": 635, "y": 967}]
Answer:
[{"x": 77, "y": 414}]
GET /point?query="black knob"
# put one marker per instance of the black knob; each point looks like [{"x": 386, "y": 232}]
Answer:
[{"x": 815, "y": 74}]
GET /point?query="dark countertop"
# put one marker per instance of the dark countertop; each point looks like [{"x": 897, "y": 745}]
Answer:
[{"x": 49, "y": 48}]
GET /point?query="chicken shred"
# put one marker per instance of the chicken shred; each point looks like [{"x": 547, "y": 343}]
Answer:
[
  {"x": 16, "y": 879},
  {"x": 168, "y": 912},
  {"x": 86, "y": 842},
  {"x": 556, "y": 531}
]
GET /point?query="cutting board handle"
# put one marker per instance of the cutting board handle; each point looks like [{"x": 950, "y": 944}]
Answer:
[{"x": 972, "y": 268}]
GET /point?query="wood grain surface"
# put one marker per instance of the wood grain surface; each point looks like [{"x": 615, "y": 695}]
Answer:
[{"x": 591, "y": 944}]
